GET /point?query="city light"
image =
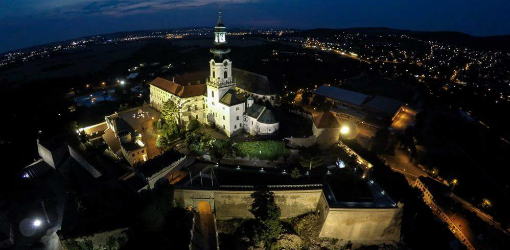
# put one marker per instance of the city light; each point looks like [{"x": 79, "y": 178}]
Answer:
[{"x": 122, "y": 82}]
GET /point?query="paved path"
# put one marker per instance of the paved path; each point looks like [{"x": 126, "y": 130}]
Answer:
[{"x": 205, "y": 233}]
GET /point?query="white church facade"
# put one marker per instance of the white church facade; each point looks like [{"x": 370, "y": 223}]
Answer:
[{"x": 218, "y": 96}]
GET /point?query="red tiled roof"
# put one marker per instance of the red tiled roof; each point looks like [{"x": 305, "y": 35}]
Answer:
[
  {"x": 326, "y": 120},
  {"x": 182, "y": 91}
]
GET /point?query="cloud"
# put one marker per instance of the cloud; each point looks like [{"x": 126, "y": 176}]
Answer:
[{"x": 131, "y": 7}]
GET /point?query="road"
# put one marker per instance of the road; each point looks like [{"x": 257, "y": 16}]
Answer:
[
  {"x": 485, "y": 217},
  {"x": 400, "y": 162}
]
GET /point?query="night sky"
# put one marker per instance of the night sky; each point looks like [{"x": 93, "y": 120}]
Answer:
[{"x": 30, "y": 22}]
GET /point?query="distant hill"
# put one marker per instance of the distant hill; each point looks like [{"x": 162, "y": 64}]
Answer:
[{"x": 457, "y": 38}]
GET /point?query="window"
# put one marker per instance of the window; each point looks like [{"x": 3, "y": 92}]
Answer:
[
  {"x": 212, "y": 93},
  {"x": 223, "y": 117},
  {"x": 237, "y": 108},
  {"x": 237, "y": 118},
  {"x": 235, "y": 126},
  {"x": 240, "y": 124},
  {"x": 251, "y": 122},
  {"x": 133, "y": 155},
  {"x": 225, "y": 75},
  {"x": 213, "y": 74},
  {"x": 223, "y": 126}
]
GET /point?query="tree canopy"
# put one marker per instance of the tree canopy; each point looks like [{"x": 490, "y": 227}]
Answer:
[{"x": 267, "y": 215}]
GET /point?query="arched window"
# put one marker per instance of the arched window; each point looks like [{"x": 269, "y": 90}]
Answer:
[
  {"x": 225, "y": 74},
  {"x": 213, "y": 74}
]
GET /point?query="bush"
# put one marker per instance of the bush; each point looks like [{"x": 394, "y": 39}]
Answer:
[{"x": 307, "y": 227}]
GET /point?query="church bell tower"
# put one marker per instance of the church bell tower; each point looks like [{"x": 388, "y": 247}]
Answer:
[{"x": 220, "y": 77}]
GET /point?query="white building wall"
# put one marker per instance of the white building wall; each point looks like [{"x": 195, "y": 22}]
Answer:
[{"x": 236, "y": 117}]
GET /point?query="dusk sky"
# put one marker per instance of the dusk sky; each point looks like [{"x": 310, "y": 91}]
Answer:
[{"x": 25, "y": 23}]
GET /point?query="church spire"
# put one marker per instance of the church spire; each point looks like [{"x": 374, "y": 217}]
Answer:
[
  {"x": 220, "y": 49},
  {"x": 220, "y": 22}
]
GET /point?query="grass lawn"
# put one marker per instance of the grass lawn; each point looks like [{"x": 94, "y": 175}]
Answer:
[{"x": 264, "y": 150}]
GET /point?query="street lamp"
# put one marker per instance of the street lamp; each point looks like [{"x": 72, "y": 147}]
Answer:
[
  {"x": 122, "y": 82},
  {"x": 344, "y": 130},
  {"x": 37, "y": 223}
]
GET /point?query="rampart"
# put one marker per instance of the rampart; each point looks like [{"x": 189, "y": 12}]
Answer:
[{"x": 357, "y": 225}]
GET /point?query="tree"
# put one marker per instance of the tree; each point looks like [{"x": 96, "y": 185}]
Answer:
[
  {"x": 193, "y": 125},
  {"x": 220, "y": 148},
  {"x": 311, "y": 157},
  {"x": 162, "y": 142},
  {"x": 193, "y": 140},
  {"x": 267, "y": 215},
  {"x": 111, "y": 243},
  {"x": 170, "y": 111}
]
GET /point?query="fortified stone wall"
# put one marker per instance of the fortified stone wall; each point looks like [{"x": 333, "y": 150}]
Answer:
[
  {"x": 363, "y": 225},
  {"x": 358, "y": 225},
  {"x": 237, "y": 204}
]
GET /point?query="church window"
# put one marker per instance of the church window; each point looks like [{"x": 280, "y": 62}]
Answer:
[
  {"x": 235, "y": 126},
  {"x": 225, "y": 75},
  {"x": 240, "y": 124},
  {"x": 237, "y": 118},
  {"x": 213, "y": 74},
  {"x": 196, "y": 117},
  {"x": 223, "y": 117},
  {"x": 223, "y": 126},
  {"x": 212, "y": 93}
]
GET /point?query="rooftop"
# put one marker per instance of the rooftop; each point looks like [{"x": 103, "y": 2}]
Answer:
[
  {"x": 343, "y": 95},
  {"x": 252, "y": 82},
  {"x": 326, "y": 120},
  {"x": 231, "y": 98},
  {"x": 187, "y": 89},
  {"x": 267, "y": 117},
  {"x": 385, "y": 105},
  {"x": 254, "y": 110}
]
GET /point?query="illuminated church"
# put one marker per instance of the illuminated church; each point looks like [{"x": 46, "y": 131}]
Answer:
[{"x": 218, "y": 96}]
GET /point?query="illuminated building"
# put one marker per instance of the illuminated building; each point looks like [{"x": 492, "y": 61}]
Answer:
[{"x": 219, "y": 96}]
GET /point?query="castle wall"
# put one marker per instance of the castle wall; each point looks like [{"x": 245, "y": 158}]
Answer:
[
  {"x": 363, "y": 225},
  {"x": 236, "y": 204},
  {"x": 357, "y": 225}
]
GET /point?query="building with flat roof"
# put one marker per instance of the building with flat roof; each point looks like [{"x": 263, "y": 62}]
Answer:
[
  {"x": 342, "y": 96},
  {"x": 368, "y": 112}
]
